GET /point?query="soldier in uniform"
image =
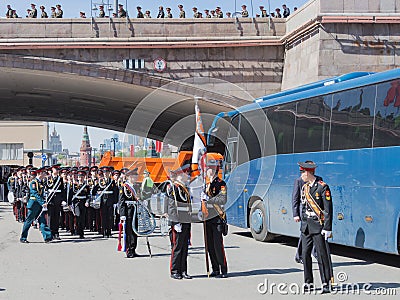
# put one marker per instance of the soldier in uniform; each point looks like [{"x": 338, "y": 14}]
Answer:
[
  {"x": 161, "y": 13},
  {"x": 92, "y": 182},
  {"x": 147, "y": 14},
  {"x": 35, "y": 205},
  {"x": 9, "y": 12},
  {"x": 80, "y": 201},
  {"x": 121, "y": 11},
  {"x": 207, "y": 12},
  {"x": 139, "y": 13},
  {"x": 179, "y": 220},
  {"x": 21, "y": 194},
  {"x": 116, "y": 178},
  {"x": 108, "y": 199},
  {"x": 245, "y": 13},
  {"x": 215, "y": 196},
  {"x": 102, "y": 14},
  {"x": 53, "y": 13},
  {"x": 168, "y": 14},
  {"x": 127, "y": 196},
  {"x": 219, "y": 12},
  {"x": 43, "y": 15},
  {"x": 59, "y": 13},
  {"x": 56, "y": 191},
  {"x": 181, "y": 12},
  {"x": 195, "y": 13},
  {"x": 316, "y": 225},
  {"x": 32, "y": 12}
]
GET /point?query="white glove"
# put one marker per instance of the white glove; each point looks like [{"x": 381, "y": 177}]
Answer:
[
  {"x": 122, "y": 218},
  {"x": 327, "y": 234},
  {"x": 63, "y": 203},
  {"x": 178, "y": 227},
  {"x": 204, "y": 196}
]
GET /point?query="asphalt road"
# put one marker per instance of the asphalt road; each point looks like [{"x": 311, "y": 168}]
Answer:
[{"x": 93, "y": 269}]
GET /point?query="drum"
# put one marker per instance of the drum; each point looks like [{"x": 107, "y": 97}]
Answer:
[{"x": 10, "y": 197}]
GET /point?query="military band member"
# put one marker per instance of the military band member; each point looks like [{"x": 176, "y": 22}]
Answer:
[
  {"x": 91, "y": 211},
  {"x": 140, "y": 14},
  {"x": 109, "y": 197},
  {"x": 80, "y": 201},
  {"x": 11, "y": 181},
  {"x": 215, "y": 196},
  {"x": 35, "y": 205},
  {"x": 55, "y": 187},
  {"x": 316, "y": 225},
  {"x": 21, "y": 193},
  {"x": 245, "y": 13},
  {"x": 127, "y": 195},
  {"x": 179, "y": 219},
  {"x": 116, "y": 178},
  {"x": 33, "y": 12},
  {"x": 53, "y": 13}
]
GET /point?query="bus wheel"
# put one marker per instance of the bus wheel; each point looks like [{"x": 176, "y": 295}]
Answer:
[{"x": 258, "y": 222}]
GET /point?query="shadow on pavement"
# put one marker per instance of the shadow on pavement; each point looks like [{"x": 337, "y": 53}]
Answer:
[
  {"x": 368, "y": 256},
  {"x": 2, "y": 290},
  {"x": 257, "y": 272}
]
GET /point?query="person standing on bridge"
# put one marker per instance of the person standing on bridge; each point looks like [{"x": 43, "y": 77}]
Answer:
[
  {"x": 36, "y": 204},
  {"x": 43, "y": 15},
  {"x": 182, "y": 13},
  {"x": 9, "y": 12},
  {"x": 60, "y": 12},
  {"x": 168, "y": 14},
  {"x": 245, "y": 13},
  {"x": 33, "y": 14},
  {"x": 102, "y": 13},
  {"x": 121, "y": 11},
  {"x": 53, "y": 13},
  {"x": 316, "y": 226},
  {"x": 161, "y": 13}
]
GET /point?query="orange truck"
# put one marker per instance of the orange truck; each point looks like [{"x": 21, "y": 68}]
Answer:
[{"x": 158, "y": 167}]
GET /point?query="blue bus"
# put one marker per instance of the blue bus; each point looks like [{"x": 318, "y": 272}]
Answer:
[{"x": 349, "y": 125}]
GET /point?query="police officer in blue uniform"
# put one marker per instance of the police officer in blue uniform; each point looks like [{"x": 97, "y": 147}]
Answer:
[
  {"x": 35, "y": 205},
  {"x": 316, "y": 225}
]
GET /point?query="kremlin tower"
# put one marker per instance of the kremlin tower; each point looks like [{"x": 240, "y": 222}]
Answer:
[{"x": 85, "y": 150}]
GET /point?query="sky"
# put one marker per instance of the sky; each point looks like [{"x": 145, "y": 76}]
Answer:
[
  {"x": 71, "y": 135},
  {"x": 72, "y": 8}
]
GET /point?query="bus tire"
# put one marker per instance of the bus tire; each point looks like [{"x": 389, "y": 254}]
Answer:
[{"x": 258, "y": 222}]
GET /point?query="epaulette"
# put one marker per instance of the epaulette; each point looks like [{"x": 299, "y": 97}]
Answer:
[{"x": 322, "y": 183}]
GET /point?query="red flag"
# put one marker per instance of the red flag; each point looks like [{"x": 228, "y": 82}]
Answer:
[{"x": 159, "y": 146}]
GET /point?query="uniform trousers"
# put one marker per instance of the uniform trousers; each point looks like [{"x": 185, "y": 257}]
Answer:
[
  {"x": 130, "y": 235},
  {"x": 215, "y": 245},
  {"x": 33, "y": 213},
  {"x": 54, "y": 212},
  {"x": 107, "y": 214},
  {"x": 180, "y": 248},
  {"x": 322, "y": 257}
]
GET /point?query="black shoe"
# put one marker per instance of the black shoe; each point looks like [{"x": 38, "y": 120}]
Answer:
[
  {"x": 24, "y": 241},
  {"x": 223, "y": 275},
  {"x": 308, "y": 287},
  {"x": 130, "y": 254},
  {"x": 176, "y": 276},
  {"x": 186, "y": 275},
  {"x": 47, "y": 240},
  {"x": 57, "y": 237},
  {"x": 214, "y": 274},
  {"x": 81, "y": 237},
  {"x": 326, "y": 289}
]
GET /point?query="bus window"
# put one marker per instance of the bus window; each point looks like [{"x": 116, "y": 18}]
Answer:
[
  {"x": 282, "y": 120},
  {"x": 312, "y": 123},
  {"x": 251, "y": 138},
  {"x": 387, "y": 115},
  {"x": 352, "y": 119},
  {"x": 230, "y": 156}
]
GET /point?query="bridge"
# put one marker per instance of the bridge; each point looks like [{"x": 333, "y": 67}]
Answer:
[{"x": 71, "y": 70}]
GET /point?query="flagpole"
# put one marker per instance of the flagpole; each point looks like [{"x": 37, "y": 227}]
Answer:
[{"x": 203, "y": 174}]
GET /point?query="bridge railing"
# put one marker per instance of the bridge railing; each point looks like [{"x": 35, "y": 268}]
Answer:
[{"x": 139, "y": 28}]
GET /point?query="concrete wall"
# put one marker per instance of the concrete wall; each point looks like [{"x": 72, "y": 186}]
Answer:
[{"x": 137, "y": 28}]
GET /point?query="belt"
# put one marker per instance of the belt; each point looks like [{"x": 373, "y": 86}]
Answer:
[
  {"x": 55, "y": 191},
  {"x": 108, "y": 192},
  {"x": 310, "y": 214},
  {"x": 80, "y": 197},
  {"x": 129, "y": 202}
]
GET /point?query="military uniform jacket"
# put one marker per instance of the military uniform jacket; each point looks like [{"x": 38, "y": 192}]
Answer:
[
  {"x": 11, "y": 183},
  {"x": 56, "y": 185},
  {"x": 125, "y": 198},
  {"x": 110, "y": 196},
  {"x": 36, "y": 189},
  {"x": 179, "y": 204},
  {"x": 322, "y": 195},
  {"x": 216, "y": 190},
  {"x": 21, "y": 189},
  {"x": 82, "y": 196}
]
